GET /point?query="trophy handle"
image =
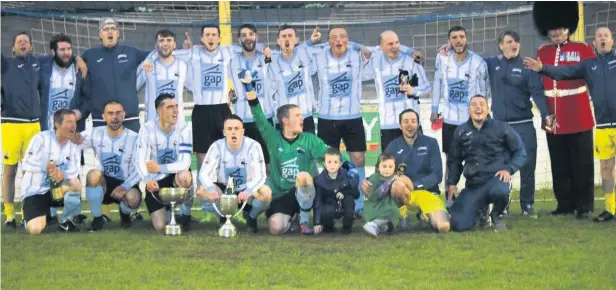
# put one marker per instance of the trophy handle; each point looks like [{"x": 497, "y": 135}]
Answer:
[
  {"x": 241, "y": 209},
  {"x": 221, "y": 215},
  {"x": 218, "y": 211}
]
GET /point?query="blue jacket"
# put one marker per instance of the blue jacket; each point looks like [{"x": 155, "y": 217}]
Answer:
[
  {"x": 600, "y": 76},
  {"x": 494, "y": 147},
  {"x": 423, "y": 161},
  {"x": 77, "y": 102},
  {"x": 20, "y": 88},
  {"x": 112, "y": 75},
  {"x": 512, "y": 86}
]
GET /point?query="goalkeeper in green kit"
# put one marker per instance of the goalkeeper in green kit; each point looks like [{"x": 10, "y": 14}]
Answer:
[{"x": 292, "y": 156}]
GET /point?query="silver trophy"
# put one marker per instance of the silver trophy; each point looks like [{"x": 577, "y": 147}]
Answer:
[
  {"x": 172, "y": 196},
  {"x": 228, "y": 210}
]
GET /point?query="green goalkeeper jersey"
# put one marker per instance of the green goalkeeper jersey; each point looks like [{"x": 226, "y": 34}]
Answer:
[{"x": 287, "y": 158}]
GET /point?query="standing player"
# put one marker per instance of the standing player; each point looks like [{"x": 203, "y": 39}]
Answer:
[
  {"x": 384, "y": 67},
  {"x": 457, "y": 76},
  {"x": 340, "y": 81},
  {"x": 570, "y": 141},
  {"x": 52, "y": 145},
  {"x": 163, "y": 159},
  {"x": 599, "y": 74},
  {"x": 116, "y": 179},
  {"x": 292, "y": 71},
  {"x": 512, "y": 86},
  {"x": 293, "y": 155},
  {"x": 113, "y": 75},
  {"x": 241, "y": 158},
  {"x": 169, "y": 75}
]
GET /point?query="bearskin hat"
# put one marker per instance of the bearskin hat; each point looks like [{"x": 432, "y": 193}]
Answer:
[{"x": 549, "y": 15}]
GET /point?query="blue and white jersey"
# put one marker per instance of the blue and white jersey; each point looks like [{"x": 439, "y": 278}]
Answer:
[
  {"x": 291, "y": 80},
  {"x": 247, "y": 166},
  {"x": 340, "y": 84},
  {"x": 43, "y": 148},
  {"x": 263, "y": 81},
  {"x": 172, "y": 151},
  {"x": 116, "y": 157},
  {"x": 385, "y": 74},
  {"x": 61, "y": 91},
  {"x": 457, "y": 83},
  {"x": 163, "y": 78}
]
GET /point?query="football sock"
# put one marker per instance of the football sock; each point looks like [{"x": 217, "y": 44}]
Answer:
[
  {"x": 610, "y": 202},
  {"x": 9, "y": 211}
]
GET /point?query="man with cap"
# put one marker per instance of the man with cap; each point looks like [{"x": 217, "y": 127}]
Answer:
[
  {"x": 599, "y": 74},
  {"x": 113, "y": 75},
  {"x": 570, "y": 138}
]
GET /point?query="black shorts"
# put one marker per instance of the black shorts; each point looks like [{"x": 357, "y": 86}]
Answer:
[
  {"x": 251, "y": 131},
  {"x": 110, "y": 184},
  {"x": 152, "y": 203},
  {"x": 308, "y": 125},
  {"x": 207, "y": 125},
  {"x": 286, "y": 204},
  {"x": 38, "y": 205},
  {"x": 448, "y": 130},
  {"x": 352, "y": 132},
  {"x": 388, "y": 135}
]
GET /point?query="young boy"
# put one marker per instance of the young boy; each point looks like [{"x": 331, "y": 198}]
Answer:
[
  {"x": 335, "y": 195},
  {"x": 380, "y": 210}
]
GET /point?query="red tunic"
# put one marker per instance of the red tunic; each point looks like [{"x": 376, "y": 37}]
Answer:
[{"x": 568, "y": 100}]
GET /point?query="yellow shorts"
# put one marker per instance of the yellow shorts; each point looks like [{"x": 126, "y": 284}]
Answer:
[
  {"x": 423, "y": 201},
  {"x": 15, "y": 140},
  {"x": 605, "y": 143}
]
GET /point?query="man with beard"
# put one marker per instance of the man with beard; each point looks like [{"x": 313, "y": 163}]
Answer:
[
  {"x": 512, "y": 86},
  {"x": 163, "y": 160},
  {"x": 169, "y": 75},
  {"x": 21, "y": 111},
  {"x": 116, "y": 179},
  {"x": 570, "y": 138},
  {"x": 385, "y": 67},
  {"x": 457, "y": 76},
  {"x": 487, "y": 152},
  {"x": 600, "y": 75},
  {"x": 113, "y": 75},
  {"x": 52, "y": 158},
  {"x": 292, "y": 70}
]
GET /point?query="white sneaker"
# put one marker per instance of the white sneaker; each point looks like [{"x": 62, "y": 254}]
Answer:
[{"x": 371, "y": 228}]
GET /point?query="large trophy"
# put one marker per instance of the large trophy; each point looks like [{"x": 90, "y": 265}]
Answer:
[
  {"x": 228, "y": 210},
  {"x": 172, "y": 196}
]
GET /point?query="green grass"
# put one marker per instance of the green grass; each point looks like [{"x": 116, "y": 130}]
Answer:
[{"x": 548, "y": 253}]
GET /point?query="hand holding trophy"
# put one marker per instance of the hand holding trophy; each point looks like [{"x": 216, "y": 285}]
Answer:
[{"x": 228, "y": 209}]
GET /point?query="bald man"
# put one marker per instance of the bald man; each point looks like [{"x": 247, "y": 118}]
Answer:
[
  {"x": 599, "y": 74},
  {"x": 385, "y": 66}
]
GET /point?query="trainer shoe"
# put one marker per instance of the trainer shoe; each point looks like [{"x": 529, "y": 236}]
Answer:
[
  {"x": 184, "y": 221},
  {"x": 126, "y": 220},
  {"x": 68, "y": 226},
  {"x": 11, "y": 224},
  {"x": 605, "y": 216},
  {"x": 240, "y": 219},
  {"x": 485, "y": 220},
  {"x": 251, "y": 225},
  {"x": 79, "y": 219},
  {"x": 371, "y": 228},
  {"x": 306, "y": 230},
  {"x": 97, "y": 224},
  {"x": 582, "y": 215},
  {"x": 136, "y": 216},
  {"x": 209, "y": 217},
  {"x": 498, "y": 223},
  {"x": 107, "y": 219},
  {"x": 529, "y": 213}
]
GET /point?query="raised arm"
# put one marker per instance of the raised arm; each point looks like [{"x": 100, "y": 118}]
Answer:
[
  {"x": 516, "y": 148},
  {"x": 570, "y": 72},
  {"x": 537, "y": 93},
  {"x": 184, "y": 154},
  {"x": 257, "y": 167},
  {"x": 265, "y": 128}
]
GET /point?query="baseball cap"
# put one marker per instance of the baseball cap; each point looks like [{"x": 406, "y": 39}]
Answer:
[{"x": 107, "y": 21}]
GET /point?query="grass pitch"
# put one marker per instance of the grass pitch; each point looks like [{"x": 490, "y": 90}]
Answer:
[{"x": 547, "y": 253}]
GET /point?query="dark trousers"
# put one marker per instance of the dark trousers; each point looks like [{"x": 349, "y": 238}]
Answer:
[
  {"x": 465, "y": 210},
  {"x": 573, "y": 170},
  {"x": 527, "y": 172},
  {"x": 330, "y": 214}
]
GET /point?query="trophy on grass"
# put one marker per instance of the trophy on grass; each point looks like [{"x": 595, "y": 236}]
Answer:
[
  {"x": 172, "y": 196},
  {"x": 228, "y": 210}
]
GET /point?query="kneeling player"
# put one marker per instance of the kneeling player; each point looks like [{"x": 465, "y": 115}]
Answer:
[
  {"x": 163, "y": 160},
  {"x": 116, "y": 180},
  {"x": 240, "y": 158},
  {"x": 336, "y": 195},
  {"x": 39, "y": 173}
]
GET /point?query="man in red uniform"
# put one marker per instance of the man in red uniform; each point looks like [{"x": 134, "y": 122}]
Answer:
[{"x": 570, "y": 138}]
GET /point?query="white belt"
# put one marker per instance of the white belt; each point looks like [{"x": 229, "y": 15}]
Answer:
[
  {"x": 563, "y": 93},
  {"x": 606, "y": 125},
  {"x": 520, "y": 122}
]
